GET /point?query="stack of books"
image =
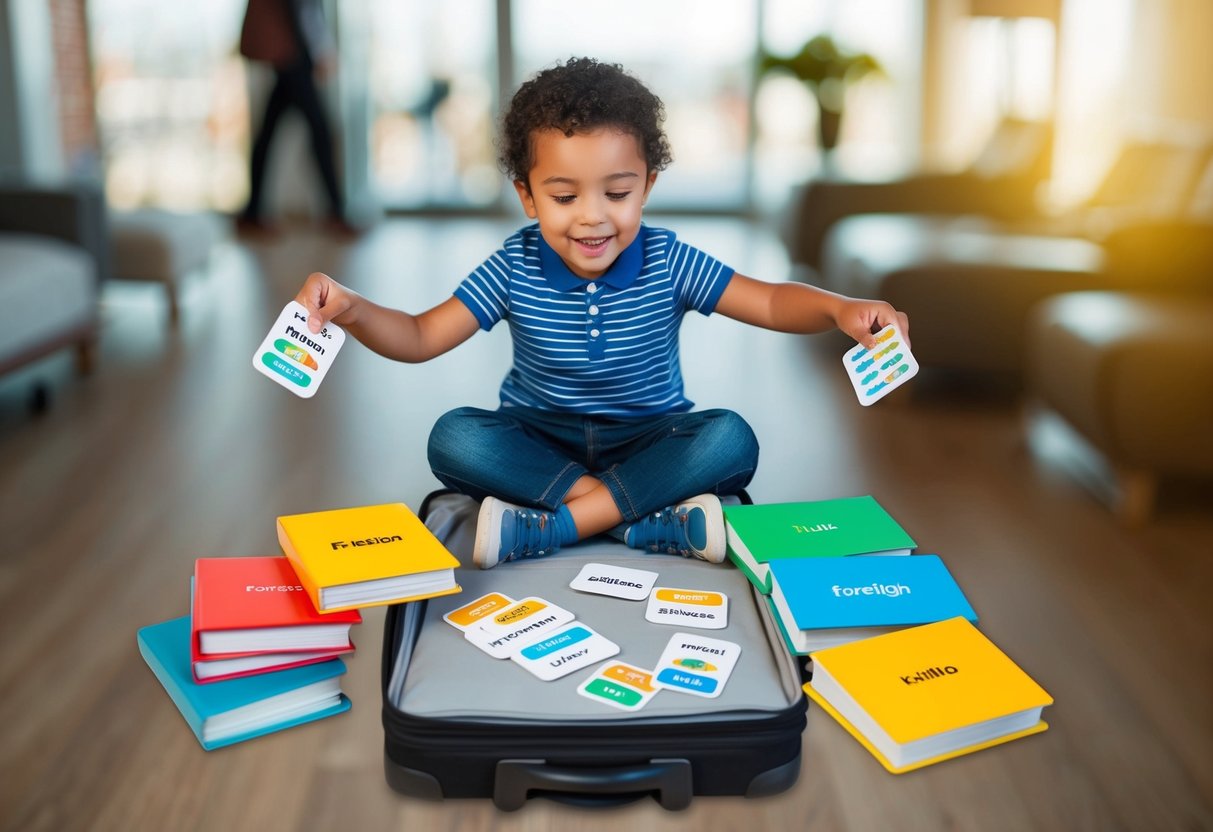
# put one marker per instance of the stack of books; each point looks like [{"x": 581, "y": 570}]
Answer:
[
  {"x": 894, "y": 652},
  {"x": 260, "y": 650}
]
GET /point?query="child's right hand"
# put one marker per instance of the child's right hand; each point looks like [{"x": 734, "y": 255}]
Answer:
[{"x": 326, "y": 300}]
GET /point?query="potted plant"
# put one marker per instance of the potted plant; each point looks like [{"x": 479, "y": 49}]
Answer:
[{"x": 828, "y": 70}]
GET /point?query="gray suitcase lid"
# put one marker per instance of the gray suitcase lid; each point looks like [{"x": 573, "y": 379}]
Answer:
[{"x": 444, "y": 676}]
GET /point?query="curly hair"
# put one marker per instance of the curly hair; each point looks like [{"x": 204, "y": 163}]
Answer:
[{"x": 575, "y": 97}]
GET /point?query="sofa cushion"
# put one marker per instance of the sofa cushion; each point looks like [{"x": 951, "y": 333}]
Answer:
[
  {"x": 1132, "y": 372},
  {"x": 47, "y": 288}
]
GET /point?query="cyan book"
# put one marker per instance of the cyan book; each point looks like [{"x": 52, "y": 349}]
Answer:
[
  {"x": 227, "y": 712},
  {"x": 823, "y": 602}
]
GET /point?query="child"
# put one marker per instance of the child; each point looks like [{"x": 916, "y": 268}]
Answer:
[{"x": 594, "y": 433}]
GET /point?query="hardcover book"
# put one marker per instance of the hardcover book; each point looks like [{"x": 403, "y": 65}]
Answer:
[
  {"x": 366, "y": 556},
  {"x": 207, "y": 669},
  {"x": 258, "y": 605},
  {"x": 229, "y": 712},
  {"x": 824, "y": 602},
  {"x": 926, "y": 694},
  {"x": 760, "y": 533}
]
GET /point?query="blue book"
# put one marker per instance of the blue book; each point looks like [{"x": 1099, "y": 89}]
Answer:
[
  {"x": 227, "y": 712},
  {"x": 824, "y": 602}
]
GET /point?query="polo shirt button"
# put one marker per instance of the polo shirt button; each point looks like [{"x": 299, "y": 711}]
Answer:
[
  {"x": 592, "y": 288},
  {"x": 593, "y": 309},
  {"x": 594, "y": 333}
]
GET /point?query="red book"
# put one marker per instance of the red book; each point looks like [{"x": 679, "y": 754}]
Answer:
[
  {"x": 257, "y": 605},
  {"x": 232, "y": 665}
]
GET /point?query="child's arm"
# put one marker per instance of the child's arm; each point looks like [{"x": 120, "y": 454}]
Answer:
[
  {"x": 799, "y": 307},
  {"x": 392, "y": 333}
]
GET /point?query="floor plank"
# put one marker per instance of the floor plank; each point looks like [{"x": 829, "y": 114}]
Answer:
[{"x": 174, "y": 449}]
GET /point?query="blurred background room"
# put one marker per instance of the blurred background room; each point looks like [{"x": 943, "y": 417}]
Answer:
[{"x": 1030, "y": 180}]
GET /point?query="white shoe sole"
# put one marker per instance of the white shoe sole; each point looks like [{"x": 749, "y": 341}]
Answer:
[
  {"x": 714, "y": 551},
  {"x": 484, "y": 553}
]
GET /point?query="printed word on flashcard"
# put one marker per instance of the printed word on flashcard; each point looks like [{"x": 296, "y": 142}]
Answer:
[
  {"x": 696, "y": 664},
  {"x": 876, "y": 372},
  {"x": 562, "y": 652},
  {"x": 620, "y": 685},
  {"x": 294, "y": 356},
  {"x": 700, "y": 608},
  {"x": 616, "y": 581},
  {"x": 522, "y": 623},
  {"x": 471, "y": 614}
]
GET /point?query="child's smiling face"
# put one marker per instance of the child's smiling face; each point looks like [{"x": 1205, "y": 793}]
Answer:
[{"x": 587, "y": 191}]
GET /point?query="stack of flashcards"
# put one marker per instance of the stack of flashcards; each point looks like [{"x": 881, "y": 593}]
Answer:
[
  {"x": 293, "y": 355},
  {"x": 876, "y": 372},
  {"x": 538, "y": 635}
]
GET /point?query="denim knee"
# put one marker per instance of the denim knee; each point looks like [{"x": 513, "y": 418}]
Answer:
[
  {"x": 728, "y": 439},
  {"x": 450, "y": 439}
]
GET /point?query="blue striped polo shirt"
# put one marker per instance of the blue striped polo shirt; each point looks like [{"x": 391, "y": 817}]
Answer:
[{"x": 607, "y": 346}]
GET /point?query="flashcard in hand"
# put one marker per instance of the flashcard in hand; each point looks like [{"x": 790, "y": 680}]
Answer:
[
  {"x": 293, "y": 355},
  {"x": 876, "y": 372}
]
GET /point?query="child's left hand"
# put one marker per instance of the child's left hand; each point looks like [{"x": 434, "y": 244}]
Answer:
[{"x": 861, "y": 318}]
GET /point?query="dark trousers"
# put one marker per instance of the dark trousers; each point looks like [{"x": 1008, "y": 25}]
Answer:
[{"x": 294, "y": 87}]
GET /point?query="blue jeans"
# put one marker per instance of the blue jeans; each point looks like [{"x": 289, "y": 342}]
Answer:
[{"x": 532, "y": 457}]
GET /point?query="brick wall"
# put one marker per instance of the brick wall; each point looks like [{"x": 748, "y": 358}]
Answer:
[{"x": 74, "y": 81}]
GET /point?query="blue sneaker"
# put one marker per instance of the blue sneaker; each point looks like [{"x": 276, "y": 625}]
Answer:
[
  {"x": 693, "y": 528},
  {"x": 505, "y": 532}
]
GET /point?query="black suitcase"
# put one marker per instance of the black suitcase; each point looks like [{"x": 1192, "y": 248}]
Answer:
[{"x": 459, "y": 723}]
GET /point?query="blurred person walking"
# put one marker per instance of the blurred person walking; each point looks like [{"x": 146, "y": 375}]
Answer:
[{"x": 292, "y": 37}]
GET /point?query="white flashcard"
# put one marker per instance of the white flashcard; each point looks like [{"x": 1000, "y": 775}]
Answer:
[
  {"x": 616, "y": 581},
  {"x": 700, "y": 608},
  {"x": 620, "y": 686},
  {"x": 496, "y": 647},
  {"x": 567, "y": 650},
  {"x": 876, "y": 372},
  {"x": 696, "y": 664},
  {"x": 294, "y": 356},
  {"x": 471, "y": 614},
  {"x": 522, "y": 623}
]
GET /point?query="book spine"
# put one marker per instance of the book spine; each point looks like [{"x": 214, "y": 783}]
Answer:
[{"x": 301, "y": 572}]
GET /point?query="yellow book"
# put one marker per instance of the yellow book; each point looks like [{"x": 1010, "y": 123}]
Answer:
[
  {"x": 926, "y": 694},
  {"x": 366, "y": 557}
]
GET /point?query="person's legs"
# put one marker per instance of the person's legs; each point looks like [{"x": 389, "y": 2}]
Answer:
[
  {"x": 506, "y": 453},
  {"x": 275, "y": 106},
  {"x": 676, "y": 457},
  {"x": 517, "y": 462},
  {"x": 307, "y": 98}
]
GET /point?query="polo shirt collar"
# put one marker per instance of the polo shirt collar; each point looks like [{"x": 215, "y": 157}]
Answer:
[{"x": 622, "y": 273}]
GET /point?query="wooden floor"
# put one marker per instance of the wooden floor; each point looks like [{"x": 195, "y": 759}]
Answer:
[{"x": 175, "y": 449}]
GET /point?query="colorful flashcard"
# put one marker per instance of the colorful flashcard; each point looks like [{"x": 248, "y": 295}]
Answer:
[
  {"x": 876, "y": 372},
  {"x": 620, "y": 686},
  {"x": 701, "y": 608},
  {"x": 294, "y": 356},
  {"x": 471, "y": 614},
  {"x": 616, "y": 581},
  {"x": 517, "y": 625},
  {"x": 559, "y": 654},
  {"x": 696, "y": 664}
]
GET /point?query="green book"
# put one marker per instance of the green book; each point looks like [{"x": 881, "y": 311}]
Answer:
[{"x": 760, "y": 533}]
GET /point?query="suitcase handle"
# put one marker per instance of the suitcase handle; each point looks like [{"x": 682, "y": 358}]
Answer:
[{"x": 668, "y": 780}]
